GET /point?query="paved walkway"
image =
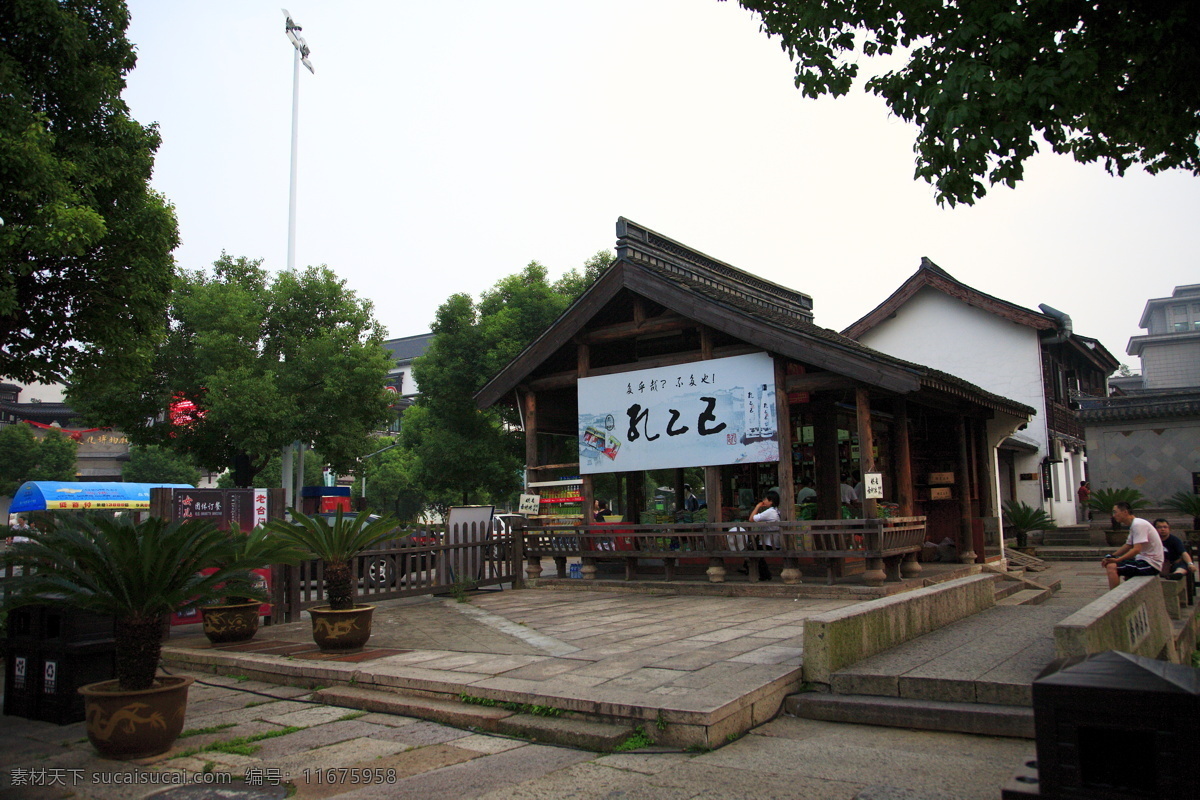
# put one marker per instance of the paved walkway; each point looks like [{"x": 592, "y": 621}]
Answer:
[
  {"x": 394, "y": 756},
  {"x": 696, "y": 655}
]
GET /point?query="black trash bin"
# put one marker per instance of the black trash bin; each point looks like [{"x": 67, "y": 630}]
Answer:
[
  {"x": 1117, "y": 725},
  {"x": 51, "y": 652}
]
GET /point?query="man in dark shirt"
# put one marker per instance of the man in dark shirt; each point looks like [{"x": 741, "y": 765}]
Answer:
[{"x": 1176, "y": 559}]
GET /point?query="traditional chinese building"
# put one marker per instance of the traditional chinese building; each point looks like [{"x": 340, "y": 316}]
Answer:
[{"x": 676, "y": 363}]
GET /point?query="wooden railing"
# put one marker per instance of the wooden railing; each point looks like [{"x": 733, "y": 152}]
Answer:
[
  {"x": 883, "y": 543},
  {"x": 404, "y": 569}
]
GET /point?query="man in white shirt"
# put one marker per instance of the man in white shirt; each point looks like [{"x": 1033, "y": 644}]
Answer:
[
  {"x": 849, "y": 496},
  {"x": 1142, "y": 553},
  {"x": 806, "y": 491}
]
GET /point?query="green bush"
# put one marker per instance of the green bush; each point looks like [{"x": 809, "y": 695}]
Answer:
[
  {"x": 1022, "y": 519},
  {"x": 1187, "y": 503},
  {"x": 1103, "y": 500}
]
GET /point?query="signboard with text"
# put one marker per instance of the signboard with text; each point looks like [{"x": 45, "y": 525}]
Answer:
[{"x": 705, "y": 413}]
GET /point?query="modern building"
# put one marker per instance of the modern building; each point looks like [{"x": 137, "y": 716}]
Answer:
[
  {"x": 1147, "y": 434},
  {"x": 1034, "y": 357}
]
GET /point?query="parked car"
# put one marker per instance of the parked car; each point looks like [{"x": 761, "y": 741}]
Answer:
[{"x": 384, "y": 570}]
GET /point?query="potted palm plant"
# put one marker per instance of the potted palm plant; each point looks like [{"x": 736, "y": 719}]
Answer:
[
  {"x": 1103, "y": 500},
  {"x": 137, "y": 573},
  {"x": 341, "y": 625},
  {"x": 1186, "y": 503},
  {"x": 1022, "y": 519},
  {"x": 235, "y": 618}
]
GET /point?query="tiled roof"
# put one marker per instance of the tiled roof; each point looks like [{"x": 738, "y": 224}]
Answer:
[{"x": 408, "y": 347}]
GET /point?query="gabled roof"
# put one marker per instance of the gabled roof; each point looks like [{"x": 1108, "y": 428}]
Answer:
[
  {"x": 931, "y": 275},
  {"x": 737, "y": 303},
  {"x": 409, "y": 347}
]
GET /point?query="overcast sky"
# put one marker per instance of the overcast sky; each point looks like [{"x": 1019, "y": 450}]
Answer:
[{"x": 445, "y": 145}]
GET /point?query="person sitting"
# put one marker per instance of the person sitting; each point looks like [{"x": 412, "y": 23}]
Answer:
[
  {"x": 767, "y": 510},
  {"x": 1142, "y": 553},
  {"x": 1177, "y": 561}
]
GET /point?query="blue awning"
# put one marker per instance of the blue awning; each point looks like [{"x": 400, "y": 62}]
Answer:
[{"x": 74, "y": 495}]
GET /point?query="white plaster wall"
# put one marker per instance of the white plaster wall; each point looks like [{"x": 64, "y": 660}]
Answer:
[
  {"x": 41, "y": 393},
  {"x": 1003, "y": 357}
]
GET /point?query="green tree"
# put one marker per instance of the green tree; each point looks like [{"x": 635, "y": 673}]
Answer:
[
  {"x": 392, "y": 486},
  {"x": 272, "y": 473},
  {"x": 459, "y": 453},
  {"x": 23, "y": 457},
  {"x": 264, "y": 361},
  {"x": 85, "y": 244},
  {"x": 1112, "y": 81},
  {"x": 154, "y": 464}
]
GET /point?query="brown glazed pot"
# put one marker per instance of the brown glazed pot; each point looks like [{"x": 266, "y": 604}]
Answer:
[
  {"x": 231, "y": 623},
  {"x": 139, "y": 724},
  {"x": 341, "y": 630}
]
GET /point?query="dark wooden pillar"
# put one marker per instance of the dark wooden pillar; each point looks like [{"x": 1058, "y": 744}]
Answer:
[
  {"x": 825, "y": 450},
  {"x": 904, "y": 474},
  {"x": 966, "y": 535},
  {"x": 783, "y": 424},
  {"x": 866, "y": 446},
  {"x": 531, "y": 449},
  {"x": 714, "y": 493}
]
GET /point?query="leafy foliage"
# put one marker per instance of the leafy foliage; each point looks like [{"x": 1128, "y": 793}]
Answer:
[
  {"x": 335, "y": 544},
  {"x": 1022, "y": 519},
  {"x": 392, "y": 486},
  {"x": 272, "y": 473},
  {"x": 265, "y": 361},
  {"x": 1104, "y": 499},
  {"x": 85, "y": 248},
  {"x": 1186, "y": 503},
  {"x": 155, "y": 464},
  {"x": 1112, "y": 81},
  {"x": 458, "y": 452},
  {"x": 136, "y": 572},
  {"x": 23, "y": 457}
]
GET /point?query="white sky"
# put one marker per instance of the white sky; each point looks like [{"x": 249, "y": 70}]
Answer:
[{"x": 445, "y": 145}]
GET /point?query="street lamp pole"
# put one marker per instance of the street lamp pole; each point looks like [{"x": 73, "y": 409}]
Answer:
[{"x": 289, "y": 470}]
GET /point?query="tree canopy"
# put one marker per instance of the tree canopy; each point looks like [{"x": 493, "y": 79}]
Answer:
[
  {"x": 250, "y": 363},
  {"x": 155, "y": 464},
  {"x": 1115, "y": 81},
  {"x": 457, "y": 451},
  {"x": 85, "y": 244},
  {"x": 25, "y": 457}
]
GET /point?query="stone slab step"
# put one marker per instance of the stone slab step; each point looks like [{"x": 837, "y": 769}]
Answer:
[
  {"x": 570, "y": 732},
  {"x": 899, "y": 712},
  {"x": 1007, "y": 588},
  {"x": 1025, "y": 597}
]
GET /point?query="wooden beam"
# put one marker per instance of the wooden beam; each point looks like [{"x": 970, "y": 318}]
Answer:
[
  {"x": 828, "y": 469},
  {"x": 820, "y": 381},
  {"x": 664, "y": 323},
  {"x": 706, "y": 342}
]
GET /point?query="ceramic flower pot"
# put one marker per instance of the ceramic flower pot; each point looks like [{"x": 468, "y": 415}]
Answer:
[
  {"x": 139, "y": 724},
  {"x": 230, "y": 623},
  {"x": 341, "y": 630}
]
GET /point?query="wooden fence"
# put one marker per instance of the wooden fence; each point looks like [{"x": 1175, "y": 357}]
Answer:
[
  {"x": 485, "y": 556},
  {"x": 888, "y": 546}
]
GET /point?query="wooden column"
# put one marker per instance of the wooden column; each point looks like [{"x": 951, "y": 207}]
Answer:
[
  {"x": 531, "y": 451},
  {"x": 825, "y": 449},
  {"x": 904, "y": 475},
  {"x": 874, "y": 575},
  {"x": 967, "y": 555},
  {"x": 866, "y": 446},
  {"x": 783, "y": 424},
  {"x": 587, "y": 491}
]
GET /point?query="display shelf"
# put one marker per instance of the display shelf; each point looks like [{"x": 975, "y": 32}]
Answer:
[
  {"x": 562, "y": 500},
  {"x": 571, "y": 482}
]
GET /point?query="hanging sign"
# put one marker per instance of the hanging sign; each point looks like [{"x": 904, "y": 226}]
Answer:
[
  {"x": 705, "y": 413},
  {"x": 873, "y": 485},
  {"x": 529, "y": 504}
]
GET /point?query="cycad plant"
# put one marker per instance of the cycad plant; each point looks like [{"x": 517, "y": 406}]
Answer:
[
  {"x": 136, "y": 572},
  {"x": 1022, "y": 519},
  {"x": 1187, "y": 503},
  {"x": 1103, "y": 500},
  {"x": 260, "y": 548},
  {"x": 336, "y": 545}
]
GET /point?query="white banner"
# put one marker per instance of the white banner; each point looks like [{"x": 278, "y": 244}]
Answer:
[{"x": 691, "y": 415}]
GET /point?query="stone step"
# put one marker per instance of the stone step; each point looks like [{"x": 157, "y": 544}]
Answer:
[
  {"x": 566, "y": 731},
  {"x": 899, "y": 712},
  {"x": 1073, "y": 553},
  {"x": 1067, "y": 539},
  {"x": 1007, "y": 588},
  {"x": 1025, "y": 597}
]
